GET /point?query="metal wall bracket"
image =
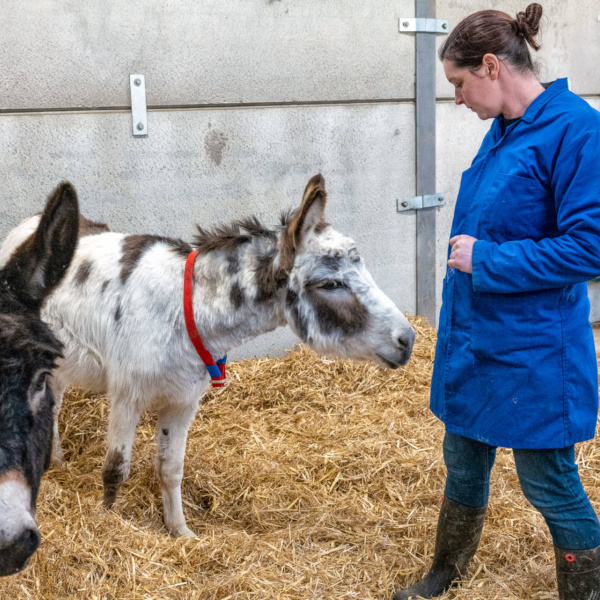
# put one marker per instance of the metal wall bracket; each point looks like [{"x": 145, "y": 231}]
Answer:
[
  {"x": 139, "y": 118},
  {"x": 418, "y": 202},
  {"x": 421, "y": 25}
]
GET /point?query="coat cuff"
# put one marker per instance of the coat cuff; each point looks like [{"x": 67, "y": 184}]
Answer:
[{"x": 481, "y": 260}]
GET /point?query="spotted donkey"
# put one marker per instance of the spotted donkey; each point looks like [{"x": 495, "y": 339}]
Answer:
[
  {"x": 28, "y": 352},
  {"x": 119, "y": 314}
]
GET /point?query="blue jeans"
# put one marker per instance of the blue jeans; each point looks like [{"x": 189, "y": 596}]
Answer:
[{"x": 549, "y": 479}]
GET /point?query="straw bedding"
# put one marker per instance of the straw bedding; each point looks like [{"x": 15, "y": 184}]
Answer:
[{"x": 305, "y": 478}]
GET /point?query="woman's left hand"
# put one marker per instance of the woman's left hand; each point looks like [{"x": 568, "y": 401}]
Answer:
[{"x": 461, "y": 255}]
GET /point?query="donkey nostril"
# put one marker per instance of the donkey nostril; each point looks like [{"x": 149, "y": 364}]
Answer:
[
  {"x": 405, "y": 340},
  {"x": 402, "y": 343},
  {"x": 27, "y": 543}
]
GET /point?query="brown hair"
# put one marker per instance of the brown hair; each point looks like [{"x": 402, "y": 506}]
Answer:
[{"x": 494, "y": 32}]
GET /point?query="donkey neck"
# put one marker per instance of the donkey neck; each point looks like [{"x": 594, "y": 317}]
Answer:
[{"x": 239, "y": 291}]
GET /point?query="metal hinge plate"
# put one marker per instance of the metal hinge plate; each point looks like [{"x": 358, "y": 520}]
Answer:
[
  {"x": 418, "y": 202},
  {"x": 139, "y": 117},
  {"x": 420, "y": 25}
]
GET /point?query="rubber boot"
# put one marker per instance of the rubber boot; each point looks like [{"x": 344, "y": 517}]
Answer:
[
  {"x": 458, "y": 533},
  {"x": 578, "y": 574}
]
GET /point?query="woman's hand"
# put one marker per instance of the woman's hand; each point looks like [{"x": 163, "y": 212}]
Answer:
[{"x": 461, "y": 255}]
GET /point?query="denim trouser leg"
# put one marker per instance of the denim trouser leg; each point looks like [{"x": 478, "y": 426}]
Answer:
[
  {"x": 469, "y": 464},
  {"x": 550, "y": 481}
]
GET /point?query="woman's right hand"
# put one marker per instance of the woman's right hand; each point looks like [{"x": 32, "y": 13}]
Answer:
[{"x": 461, "y": 255}]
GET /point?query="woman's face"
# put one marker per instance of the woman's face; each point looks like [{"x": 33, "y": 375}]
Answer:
[{"x": 477, "y": 90}]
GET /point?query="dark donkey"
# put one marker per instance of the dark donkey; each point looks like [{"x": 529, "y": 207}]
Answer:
[{"x": 28, "y": 352}]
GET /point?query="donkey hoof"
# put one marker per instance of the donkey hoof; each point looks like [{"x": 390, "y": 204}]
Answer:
[
  {"x": 183, "y": 532},
  {"x": 57, "y": 459},
  {"x": 110, "y": 496}
]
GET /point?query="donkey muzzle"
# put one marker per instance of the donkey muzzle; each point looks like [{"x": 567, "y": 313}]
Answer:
[
  {"x": 14, "y": 557},
  {"x": 19, "y": 535}
]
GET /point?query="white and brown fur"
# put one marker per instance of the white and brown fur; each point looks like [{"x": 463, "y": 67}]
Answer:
[{"x": 119, "y": 314}]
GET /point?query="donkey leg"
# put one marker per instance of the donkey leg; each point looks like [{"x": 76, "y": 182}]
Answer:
[
  {"x": 122, "y": 421},
  {"x": 171, "y": 434},
  {"x": 58, "y": 387}
]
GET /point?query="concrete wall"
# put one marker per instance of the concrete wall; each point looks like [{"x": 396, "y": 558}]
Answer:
[{"x": 247, "y": 99}]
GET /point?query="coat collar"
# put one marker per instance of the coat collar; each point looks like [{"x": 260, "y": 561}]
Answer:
[
  {"x": 555, "y": 88},
  {"x": 552, "y": 90}
]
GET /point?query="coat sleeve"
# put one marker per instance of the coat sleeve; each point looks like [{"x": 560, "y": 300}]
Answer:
[{"x": 571, "y": 257}]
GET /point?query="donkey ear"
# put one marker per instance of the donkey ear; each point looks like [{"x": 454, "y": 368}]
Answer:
[
  {"x": 310, "y": 214},
  {"x": 40, "y": 262}
]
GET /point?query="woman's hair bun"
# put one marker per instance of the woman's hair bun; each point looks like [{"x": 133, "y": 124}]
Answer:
[{"x": 527, "y": 24}]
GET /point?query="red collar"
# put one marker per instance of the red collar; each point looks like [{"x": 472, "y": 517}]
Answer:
[{"x": 216, "y": 370}]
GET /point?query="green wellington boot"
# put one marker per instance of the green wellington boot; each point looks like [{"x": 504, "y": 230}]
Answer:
[
  {"x": 458, "y": 533},
  {"x": 578, "y": 574}
]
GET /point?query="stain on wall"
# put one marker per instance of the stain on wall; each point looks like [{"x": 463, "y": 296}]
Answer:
[{"x": 215, "y": 142}]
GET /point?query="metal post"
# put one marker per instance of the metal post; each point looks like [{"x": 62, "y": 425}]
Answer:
[{"x": 425, "y": 176}]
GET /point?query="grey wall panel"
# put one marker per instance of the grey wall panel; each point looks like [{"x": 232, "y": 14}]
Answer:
[
  {"x": 570, "y": 36},
  {"x": 594, "y": 295},
  {"x": 214, "y": 165},
  {"x": 79, "y": 53},
  {"x": 594, "y": 287}
]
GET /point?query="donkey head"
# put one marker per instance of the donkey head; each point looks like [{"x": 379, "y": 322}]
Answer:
[
  {"x": 332, "y": 302},
  {"x": 28, "y": 351}
]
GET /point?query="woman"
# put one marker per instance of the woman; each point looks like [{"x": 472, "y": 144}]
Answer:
[{"x": 515, "y": 363}]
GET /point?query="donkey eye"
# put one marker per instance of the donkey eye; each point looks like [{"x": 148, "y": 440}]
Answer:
[
  {"x": 332, "y": 284},
  {"x": 39, "y": 383},
  {"x": 37, "y": 391}
]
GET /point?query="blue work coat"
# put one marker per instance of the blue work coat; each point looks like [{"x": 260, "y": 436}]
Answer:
[{"x": 515, "y": 364}]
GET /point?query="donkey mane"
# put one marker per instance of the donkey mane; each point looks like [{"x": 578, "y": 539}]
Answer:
[
  {"x": 230, "y": 236},
  {"x": 16, "y": 334}
]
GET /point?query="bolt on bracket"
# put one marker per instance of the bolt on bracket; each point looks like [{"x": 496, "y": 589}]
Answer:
[
  {"x": 418, "y": 202},
  {"x": 421, "y": 25},
  {"x": 139, "y": 117}
]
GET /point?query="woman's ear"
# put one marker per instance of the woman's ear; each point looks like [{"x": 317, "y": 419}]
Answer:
[{"x": 491, "y": 66}]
